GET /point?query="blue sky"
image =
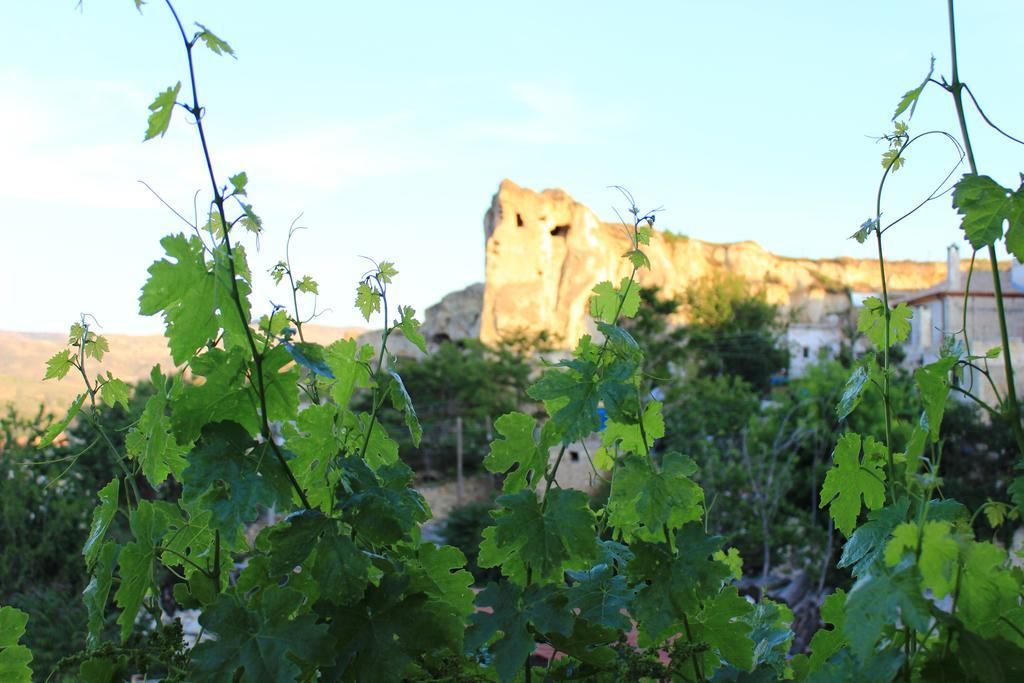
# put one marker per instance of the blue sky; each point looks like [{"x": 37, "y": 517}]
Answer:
[{"x": 390, "y": 125}]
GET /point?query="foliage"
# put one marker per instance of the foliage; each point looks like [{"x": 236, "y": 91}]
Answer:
[
  {"x": 734, "y": 330},
  {"x": 339, "y": 585}
]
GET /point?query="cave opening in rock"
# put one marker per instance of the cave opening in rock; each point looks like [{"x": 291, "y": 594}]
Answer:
[
  {"x": 519, "y": 220},
  {"x": 560, "y": 231}
]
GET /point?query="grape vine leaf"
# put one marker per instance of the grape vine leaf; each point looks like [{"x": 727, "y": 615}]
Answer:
[
  {"x": 162, "y": 107},
  {"x": 114, "y": 391},
  {"x": 102, "y": 516},
  {"x": 410, "y": 327},
  {"x": 871, "y": 321},
  {"x": 309, "y": 356},
  {"x": 215, "y": 44},
  {"x": 911, "y": 97},
  {"x": 136, "y": 564},
  {"x": 985, "y": 205},
  {"x": 55, "y": 428},
  {"x": 307, "y": 285},
  {"x": 367, "y": 300},
  {"x": 238, "y": 183},
  {"x": 512, "y": 613},
  {"x": 601, "y": 595},
  {"x": 936, "y": 559},
  {"x": 342, "y": 570},
  {"x": 184, "y": 292},
  {"x": 850, "y": 399},
  {"x": 881, "y": 598},
  {"x": 151, "y": 441},
  {"x": 314, "y": 438},
  {"x": 722, "y": 626},
  {"x": 644, "y": 502},
  {"x": 544, "y": 540},
  {"x": 629, "y": 437},
  {"x": 348, "y": 363},
  {"x": 232, "y": 477},
  {"x": 59, "y": 364},
  {"x": 605, "y": 302},
  {"x": 223, "y": 395},
  {"x": 571, "y": 397},
  {"x": 933, "y": 385},
  {"x": 263, "y": 642},
  {"x": 98, "y": 590},
  {"x": 867, "y": 543},
  {"x": 517, "y": 454},
  {"x": 851, "y": 479},
  {"x": 402, "y": 402},
  {"x": 14, "y": 658}
]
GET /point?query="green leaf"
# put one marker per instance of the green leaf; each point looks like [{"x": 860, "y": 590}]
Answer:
[
  {"x": 315, "y": 439},
  {"x": 58, "y": 366},
  {"x": 233, "y": 477},
  {"x": 238, "y": 183},
  {"x": 256, "y": 643},
  {"x": 97, "y": 592},
  {"x": 891, "y": 158},
  {"x": 250, "y": 220},
  {"x": 522, "y": 459},
  {"x": 114, "y": 391},
  {"x": 933, "y": 384},
  {"x": 644, "y": 501},
  {"x": 223, "y": 395},
  {"x": 878, "y": 600},
  {"x": 367, "y": 300},
  {"x": 512, "y": 613},
  {"x": 151, "y": 441},
  {"x": 868, "y": 542},
  {"x": 308, "y": 285},
  {"x": 102, "y": 516},
  {"x": 410, "y": 327},
  {"x": 989, "y": 594},
  {"x": 852, "y": 478},
  {"x": 386, "y": 272},
  {"x": 136, "y": 564},
  {"x": 826, "y": 642},
  {"x": 629, "y": 437},
  {"x": 600, "y": 595},
  {"x": 850, "y": 399},
  {"x": 216, "y": 45},
  {"x": 638, "y": 258},
  {"x": 14, "y": 658},
  {"x": 161, "y": 109},
  {"x": 309, "y": 356},
  {"x": 723, "y": 627},
  {"x": 342, "y": 570},
  {"x": 546, "y": 540},
  {"x": 402, "y": 402},
  {"x": 184, "y": 292},
  {"x": 985, "y": 205},
  {"x": 348, "y": 362},
  {"x": 911, "y": 97},
  {"x": 605, "y": 303},
  {"x": 938, "y": 553},
  {"x": 571, "y": 398},
  {"x": 294, "y": 538},
  {"x": 871, "y": 322},
  {"x": 55, "y": 428}
]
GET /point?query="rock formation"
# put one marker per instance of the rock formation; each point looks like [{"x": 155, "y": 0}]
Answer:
[{"x": 545, "y": 252}]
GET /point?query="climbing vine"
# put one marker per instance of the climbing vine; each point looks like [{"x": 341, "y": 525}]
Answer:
[{"x": 338, "y": 583}]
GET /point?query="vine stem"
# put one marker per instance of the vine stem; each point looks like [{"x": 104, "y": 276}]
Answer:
[
  {"x": 218, "y": 200},
  {"x": 1012, "y": 407}
]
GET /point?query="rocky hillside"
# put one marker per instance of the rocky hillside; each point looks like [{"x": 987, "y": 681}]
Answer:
[
  {"x": 23, "y": 358},
  {"x": 546, "y": 251}
]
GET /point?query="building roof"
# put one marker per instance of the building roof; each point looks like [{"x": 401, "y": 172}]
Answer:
[{"x": 981, "y": 285}]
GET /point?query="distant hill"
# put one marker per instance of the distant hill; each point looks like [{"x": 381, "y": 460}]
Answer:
[{"x": 23, "y": 358}]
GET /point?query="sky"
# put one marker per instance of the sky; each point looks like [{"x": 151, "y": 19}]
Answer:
[{"x": 388, "y": 126}]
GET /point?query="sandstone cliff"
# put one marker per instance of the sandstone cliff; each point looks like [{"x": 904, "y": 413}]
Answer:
[{"x": 545, "y": 252}]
